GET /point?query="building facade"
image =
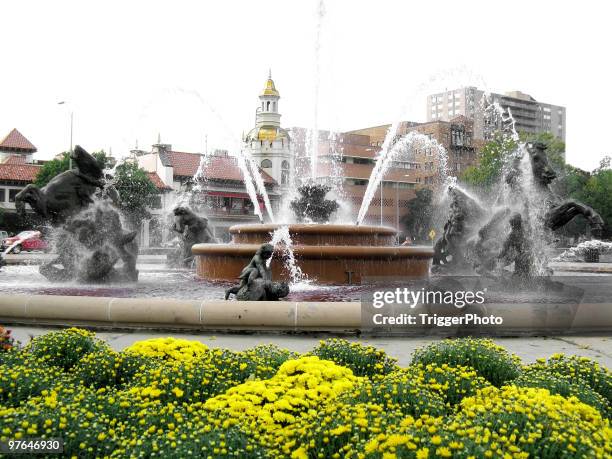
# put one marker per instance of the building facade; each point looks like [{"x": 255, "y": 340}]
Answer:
[
  {"x": 530, "y": 115},
  {"x": 212, "y": 185},
  {"x": 346, "y": 161}
]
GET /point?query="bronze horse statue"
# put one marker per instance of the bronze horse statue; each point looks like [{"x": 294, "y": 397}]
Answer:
[
  {"x": 66, "y": 193},
  {"x": 89, "y": 238}
]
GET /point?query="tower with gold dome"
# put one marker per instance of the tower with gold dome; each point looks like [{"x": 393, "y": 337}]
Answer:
[{"x": 268, "y": 142}]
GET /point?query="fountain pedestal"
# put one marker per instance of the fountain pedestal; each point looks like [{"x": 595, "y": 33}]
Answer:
[{"x": 328, "y": 254}]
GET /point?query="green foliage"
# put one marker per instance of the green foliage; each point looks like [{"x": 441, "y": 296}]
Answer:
[
  {"x": 491, "y": 159},
  {"x": 564, "y": 385},
  {"x": 555, "y": 147},
  {"x": 52, "y": 168},
  {"x": 56, "y": 166},
  {"x": 490, "y": 361},
  {"x": 24, "y": 376},
  {"x": 418, "y": 219},
  {"x": 398, "y": 391},
  {"x": 136, "y": 191},
  {"x": 597, "y": 192},
  {"x": 64, "y": 348},
  {"x": 452, "y": 383},
  {"x": 578, "y": 370},
  {"x": 362, "y": 360}
]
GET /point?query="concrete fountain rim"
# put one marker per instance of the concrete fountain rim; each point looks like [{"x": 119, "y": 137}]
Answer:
[
  {"x": 313, "y": 228},
  {"x": 321, "y": 251}
]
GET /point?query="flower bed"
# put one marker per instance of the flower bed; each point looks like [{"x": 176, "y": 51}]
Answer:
[{"x": 178, "y": 398}]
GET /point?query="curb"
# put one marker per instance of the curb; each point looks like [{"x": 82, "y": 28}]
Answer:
[{"x": 181, "y": 314}]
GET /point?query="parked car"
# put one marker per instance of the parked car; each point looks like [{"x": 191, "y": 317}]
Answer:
[
  {"x": 3, "y": 235},
  {"x": 26, "y": 240}
]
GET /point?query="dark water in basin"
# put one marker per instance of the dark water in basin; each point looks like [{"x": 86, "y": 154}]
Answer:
[{"x": 157, "y": 281}]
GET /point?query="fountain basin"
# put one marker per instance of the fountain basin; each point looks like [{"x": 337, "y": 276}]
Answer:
[{"x": 328, "y": 254}]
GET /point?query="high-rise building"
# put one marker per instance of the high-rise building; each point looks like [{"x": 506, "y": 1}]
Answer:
[{"x": 530, "y": 116}]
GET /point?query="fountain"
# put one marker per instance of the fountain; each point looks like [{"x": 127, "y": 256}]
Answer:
[
  {"x": 88, "y": 234},
  {"x": 192, "y": 229},
  {"x": 516, "y": 230},
  {"x": 327, "y": 253}
]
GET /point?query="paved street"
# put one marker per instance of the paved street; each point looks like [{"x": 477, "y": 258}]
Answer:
[{"x": 529, "y": 349}]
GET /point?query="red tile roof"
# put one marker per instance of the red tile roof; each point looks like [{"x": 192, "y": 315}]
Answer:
[
  {"x": 18, "y": 172},
  {"x": 218, "y": 167},
  {"x": 15, "y": 141},
  {"x": 184, "y": 164},
  {"x": 158, "y": 181},
  {"x": 15, "y": 159}
]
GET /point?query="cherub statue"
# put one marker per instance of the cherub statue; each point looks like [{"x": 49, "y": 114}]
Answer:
[{"x": 256, "y": 279}]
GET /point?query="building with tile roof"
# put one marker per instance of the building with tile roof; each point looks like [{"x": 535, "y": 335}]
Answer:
[
  {"x": 221, "y": 191},
  {"x": 16, "y": 144}
]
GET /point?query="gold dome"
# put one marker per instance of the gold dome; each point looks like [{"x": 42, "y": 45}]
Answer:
[
  {"x": 270, "y": 89},
  {"x": 267, "y": 133}
]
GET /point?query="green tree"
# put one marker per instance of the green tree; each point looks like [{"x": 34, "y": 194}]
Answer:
[
  {"x": 58, "y": 165},
  {"x": 418, "y": 219},
  {"x": 597, "y": 193},
  {"x": 492, "y": 157},
  {"x": 136, "y": 192},
  {"x": 490, "y": 163}
]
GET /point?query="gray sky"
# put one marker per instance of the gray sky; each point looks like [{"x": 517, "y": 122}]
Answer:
[{"x": 133, "y": 69}]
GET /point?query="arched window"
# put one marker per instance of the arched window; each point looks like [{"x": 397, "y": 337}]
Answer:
[
  {"x": 266, "y": 164},
  {"x": 274, "y": 105},
  {"x": 285, "y": 172},
  {"x": 262, "y": 105},
  {"x": 268, "y": 106}
]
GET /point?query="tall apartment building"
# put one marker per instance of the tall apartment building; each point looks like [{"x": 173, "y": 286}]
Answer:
[{"x": 530, "y": 116}]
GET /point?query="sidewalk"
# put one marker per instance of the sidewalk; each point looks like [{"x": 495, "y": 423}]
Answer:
[{"x": 598, "y": 348}]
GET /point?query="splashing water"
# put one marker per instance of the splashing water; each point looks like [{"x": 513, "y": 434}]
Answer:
[
  {"x": 314, "y": 135},
  {"x": 259, "y": 183},
  {"x": 252, "y": 178},
  {"x": 19, "y": 241},
  {"x": 402, "y": 145},
  {"x": 577, "y": 253},
  {"x": 281, "y": 237}
]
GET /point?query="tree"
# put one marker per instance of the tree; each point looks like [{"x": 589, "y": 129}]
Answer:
[
  {"x": 58, "y": 165},
  {"x": 496, "y": 152},
  {"x": 136, "y": 192},
  {"x": 418, "y": 219},
  {"x": 555, "y": 147},
  {"x": 491, "y": 159},
  {"x": 597, "y": 192}
]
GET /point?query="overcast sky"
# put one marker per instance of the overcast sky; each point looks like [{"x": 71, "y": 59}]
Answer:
[{"x": 132, "y": 69}]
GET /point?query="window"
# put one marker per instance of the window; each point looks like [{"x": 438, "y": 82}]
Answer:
[
  {"x": 12, "y": 194},
  {"x": 268, "y": 106},
  {"x": 266, "y": 164},
  {"x": 2, "y": 194}
]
